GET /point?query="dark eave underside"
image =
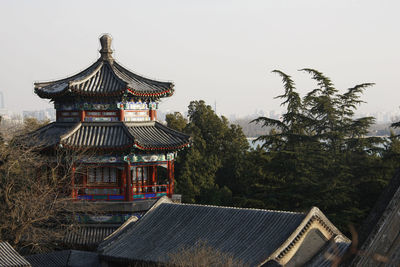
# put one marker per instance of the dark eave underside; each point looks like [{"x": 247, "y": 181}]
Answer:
[{"x": 109, "y": 136}]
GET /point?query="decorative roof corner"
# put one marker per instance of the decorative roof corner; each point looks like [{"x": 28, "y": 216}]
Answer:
[{"x": 314, "y": 219}]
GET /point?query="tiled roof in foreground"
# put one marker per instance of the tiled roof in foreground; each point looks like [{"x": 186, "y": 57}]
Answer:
[
  {"x": 251, "y": 236},
  {"x": 380, "y": 233},
  {"x": 331, "y": 254},
  {"x": 89, "y": 236},
  {"x": 150, "y": 135},
  {"x": 104, "y": 78},
  {"x": 11, "y": 258},
  {"x": 65, "y": 258}
]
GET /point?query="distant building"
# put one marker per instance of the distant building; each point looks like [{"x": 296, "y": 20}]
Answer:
[{"x": 41, "y": 115}]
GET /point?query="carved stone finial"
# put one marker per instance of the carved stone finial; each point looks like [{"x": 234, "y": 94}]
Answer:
[{"x": 106, "y": 50}]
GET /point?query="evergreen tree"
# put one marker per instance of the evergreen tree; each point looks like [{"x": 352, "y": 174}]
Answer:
[
  {"x": 208, "y": 170},
  {"x": 320, "y": 155},
  {"x": 176, "y": 121}
]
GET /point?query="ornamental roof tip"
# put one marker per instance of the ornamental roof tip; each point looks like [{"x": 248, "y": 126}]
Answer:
[{"x": 106, "y": 51}]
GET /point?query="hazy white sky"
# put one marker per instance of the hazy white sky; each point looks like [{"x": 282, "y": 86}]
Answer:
[{"x": 213, "y": 50}]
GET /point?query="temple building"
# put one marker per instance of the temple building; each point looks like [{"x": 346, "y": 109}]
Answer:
[{"x": 110, "y": 113}]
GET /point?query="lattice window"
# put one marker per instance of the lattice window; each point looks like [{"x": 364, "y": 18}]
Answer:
[
  {"x": 140, "y": 175},
  {"x": 102, "y": 175}
]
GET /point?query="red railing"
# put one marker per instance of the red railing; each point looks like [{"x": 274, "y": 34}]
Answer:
[
  {"x": 149, "y": 191},
  {"x": 139, "y": 192}
]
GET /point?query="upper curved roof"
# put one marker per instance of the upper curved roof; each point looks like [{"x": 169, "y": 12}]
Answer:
[{"x": 104, "y": 78}]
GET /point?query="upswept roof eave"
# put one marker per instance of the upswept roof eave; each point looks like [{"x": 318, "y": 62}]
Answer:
[
  {"x": 145, "y": 79},
  {"x": 138, "y": 144},
  {"x": 34, "y": 140},
  {"x": 165, "y": 90},
  {"x": 39, "y": 86},
  {"x": 170, "y": 130}
]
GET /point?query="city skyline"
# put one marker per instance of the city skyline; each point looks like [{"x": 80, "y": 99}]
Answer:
[{"x": 221, "y": 51}]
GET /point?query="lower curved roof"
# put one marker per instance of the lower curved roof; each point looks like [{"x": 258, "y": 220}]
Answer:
[{"x": 109, "y": 136}]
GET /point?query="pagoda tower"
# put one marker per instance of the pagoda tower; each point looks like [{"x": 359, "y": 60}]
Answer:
[{"x": 110, "y": 113}]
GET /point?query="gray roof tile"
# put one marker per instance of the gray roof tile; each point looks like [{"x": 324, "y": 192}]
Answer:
[
  {"x": 380, "y": 236},
  {"x": 330, "y": 254},
  {"x": 111, "y": 135},
  {"x": 99, "y": 135},
  {"x": 154, "y": 135},
  {"x": 89, "y": 235},
  {"x": 250, "y": 235},
  {"x": 11, "y": 258},
  {"x": 65, "y": 258}
]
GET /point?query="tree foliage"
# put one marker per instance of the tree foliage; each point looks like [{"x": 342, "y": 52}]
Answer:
[
  {"x": 320, "y": 154},
  {"x": 317, "y": 154},
  {"x": 207, "y": 170},
  {"x": 176, "y": 121},
  {"x": 35, "y": 210}
]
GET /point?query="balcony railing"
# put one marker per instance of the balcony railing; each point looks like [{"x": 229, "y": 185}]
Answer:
[
  {"x": 149, "y": 191},
  {"x": 139, "y": 192}
]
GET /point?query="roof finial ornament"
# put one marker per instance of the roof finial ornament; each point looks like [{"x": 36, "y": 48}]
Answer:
[{"x": 106, "y": 51}]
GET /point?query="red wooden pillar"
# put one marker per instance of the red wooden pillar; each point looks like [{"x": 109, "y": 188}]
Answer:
[
  {"x": 173, "y": 176},
  {"x": 123, "y": 183},
  {"x": 129, "y": 190},
  {"x": 121, "y": 115},
  {"x": 153, "y": 114},
  {"x": 153, "y": 174},
  {"x": 73, "y": 192},
  {"x": 170, "y": 179},
  {"x": 82, "y": 115}
]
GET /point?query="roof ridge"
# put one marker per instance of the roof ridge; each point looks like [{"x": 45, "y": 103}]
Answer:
[
  {"x": 139, "y": 123},
  {"x": 238, "y": 208},
  {"x": 82, "y": 79},
  {"x": 73, "y": 130}
]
